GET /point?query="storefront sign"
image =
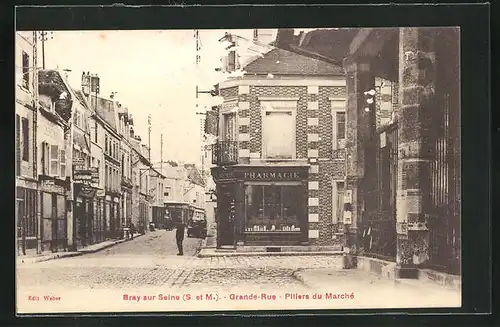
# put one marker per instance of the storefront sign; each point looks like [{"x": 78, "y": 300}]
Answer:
[
  {"x": 85, "y": 190},
  {"x": 82, "y": 175},
  {"x": 271, "y": 176},
  {"x": 259, "y": 174},
  {"x": 95, "y": 174},
  {"x": 78, "y": 161},
  {"x": 223, "y": 175}
]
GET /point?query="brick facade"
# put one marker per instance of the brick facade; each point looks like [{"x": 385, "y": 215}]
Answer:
[{"x": 313, "y": 139}]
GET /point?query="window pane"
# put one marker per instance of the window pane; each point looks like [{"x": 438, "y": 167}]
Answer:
[
  {"x": 230, "y": 127},
  {"x": 340, "y": 125},
  {"x": 255, "y": 209},
  {"x": 292, "y": 196},
  {"x": 268, "y": 206},
  {"x": 278, "y": 135},
  {"x": 54, "y": 152},
  {"x": 47, "y": 205},
  {"x": 272, "y": 202},
  {"x": 340, "y": 203}
]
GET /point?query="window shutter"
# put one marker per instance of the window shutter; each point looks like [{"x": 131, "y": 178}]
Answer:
[
  {"x": 54, "y": 160},
  {"x": 26, "y": 70},
  {"x": 26, "y": 138},
  {"x": 45, "y": 158},
  {"x": 63, "y": 164}
]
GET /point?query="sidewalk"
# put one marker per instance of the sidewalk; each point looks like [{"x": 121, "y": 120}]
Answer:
[
  {"x": 210, "y": 242},
  {"x": 383, "y": 292},
  {"x": 34, "y": 257}
]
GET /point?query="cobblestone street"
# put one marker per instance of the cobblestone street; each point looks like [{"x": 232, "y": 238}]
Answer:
[
  {"x": 151, "y": 260},
  {"x": 149, "y": 265}
]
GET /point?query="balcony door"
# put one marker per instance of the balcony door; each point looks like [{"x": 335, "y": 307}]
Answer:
[{"x": 229, "y": 127}]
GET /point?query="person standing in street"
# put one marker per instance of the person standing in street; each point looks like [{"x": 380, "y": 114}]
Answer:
[{"x": 179, "y": 235}]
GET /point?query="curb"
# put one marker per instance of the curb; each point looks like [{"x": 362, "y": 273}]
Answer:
[
  {"x": 250, "y": 254},
  {"x": 73, "y": 254}
]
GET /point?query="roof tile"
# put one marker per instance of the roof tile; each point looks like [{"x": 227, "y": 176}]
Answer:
[{"x": 282, "y": 62}]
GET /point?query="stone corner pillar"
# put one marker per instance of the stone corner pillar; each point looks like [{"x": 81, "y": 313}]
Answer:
[
  {"x": 360, "y": 131},
  {"x": 239, "y": 217},
  {"x": 417, "y": 76}
]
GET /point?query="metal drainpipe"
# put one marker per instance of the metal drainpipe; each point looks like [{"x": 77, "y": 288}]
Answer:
[{"x": 35, "y": 148}]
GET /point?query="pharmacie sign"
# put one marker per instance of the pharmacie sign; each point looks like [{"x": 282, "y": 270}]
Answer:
[{"x": 279, "y": 175}]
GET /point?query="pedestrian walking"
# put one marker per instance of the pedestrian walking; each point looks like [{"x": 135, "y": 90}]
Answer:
[
  {"x": 132, "y": 230},
  {"x": 179, "y": 236}
]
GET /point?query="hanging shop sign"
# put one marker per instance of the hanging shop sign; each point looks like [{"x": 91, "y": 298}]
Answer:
[
  {"x": 78, "y": 161},
  {"x": 95, "y": 174},
  {"x": 82, "y": 175},
  {"x": 84, "y": 190}
]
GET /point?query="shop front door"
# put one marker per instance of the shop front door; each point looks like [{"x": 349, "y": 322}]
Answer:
[{"x": 226, "y": 217}]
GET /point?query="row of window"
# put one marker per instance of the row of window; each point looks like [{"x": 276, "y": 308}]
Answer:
[
  {"x": 112, "y": 147},
  {"x": 81, "y": 121},
  {"x": 278, "y": 131},
  {"x": 112, "y": 178}
]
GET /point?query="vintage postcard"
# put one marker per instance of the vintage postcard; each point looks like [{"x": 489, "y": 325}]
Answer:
[{"x": 220, "y": 170}]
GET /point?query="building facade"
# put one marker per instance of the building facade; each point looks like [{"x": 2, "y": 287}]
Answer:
[
  {"x": 141, "y": 206},
  {"x": 54, "y": 162},
  {"x": 184, "y": 192},
  {"x": 107, "y": 110},
  {"x": 158, "y": 212},
  {"x": 280, "y": 155},
  {"x": 27, "y": 197},
  {"x": 85, "y": 173},
  {"x": 125, "y": 122}
]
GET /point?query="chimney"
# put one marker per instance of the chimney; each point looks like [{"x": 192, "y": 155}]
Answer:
[
  {"x": 86, "y": 83},
  {"x": 264, "y": 36},
  {"x": 285, "y": 38},
  {"x": 132, "y": 132},
  {"x": 66, "y": 73}
]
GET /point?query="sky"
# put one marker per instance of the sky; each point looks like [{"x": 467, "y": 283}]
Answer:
[{"x": 153, "y": 72}]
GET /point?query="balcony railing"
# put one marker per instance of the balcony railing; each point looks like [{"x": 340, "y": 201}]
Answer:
[{"x": 225, "y": 153}]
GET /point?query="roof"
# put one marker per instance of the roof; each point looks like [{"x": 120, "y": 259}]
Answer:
[
  {"x": 329, "y": 43},
  {"x": 194, "y": 175},
  {"x": 81, "y": 98},
  {"x": 106, "y": 110},
  {"x": 282, "y": 62}
]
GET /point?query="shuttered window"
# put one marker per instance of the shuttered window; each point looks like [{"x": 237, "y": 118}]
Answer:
[
  {"x": 45, "y": 158},
  {"x": 26, "y": 139},
  {"x": 63, "y": 164},
  {"x": 26, "y": 70},
  {"x": 54, "y": 160}
]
